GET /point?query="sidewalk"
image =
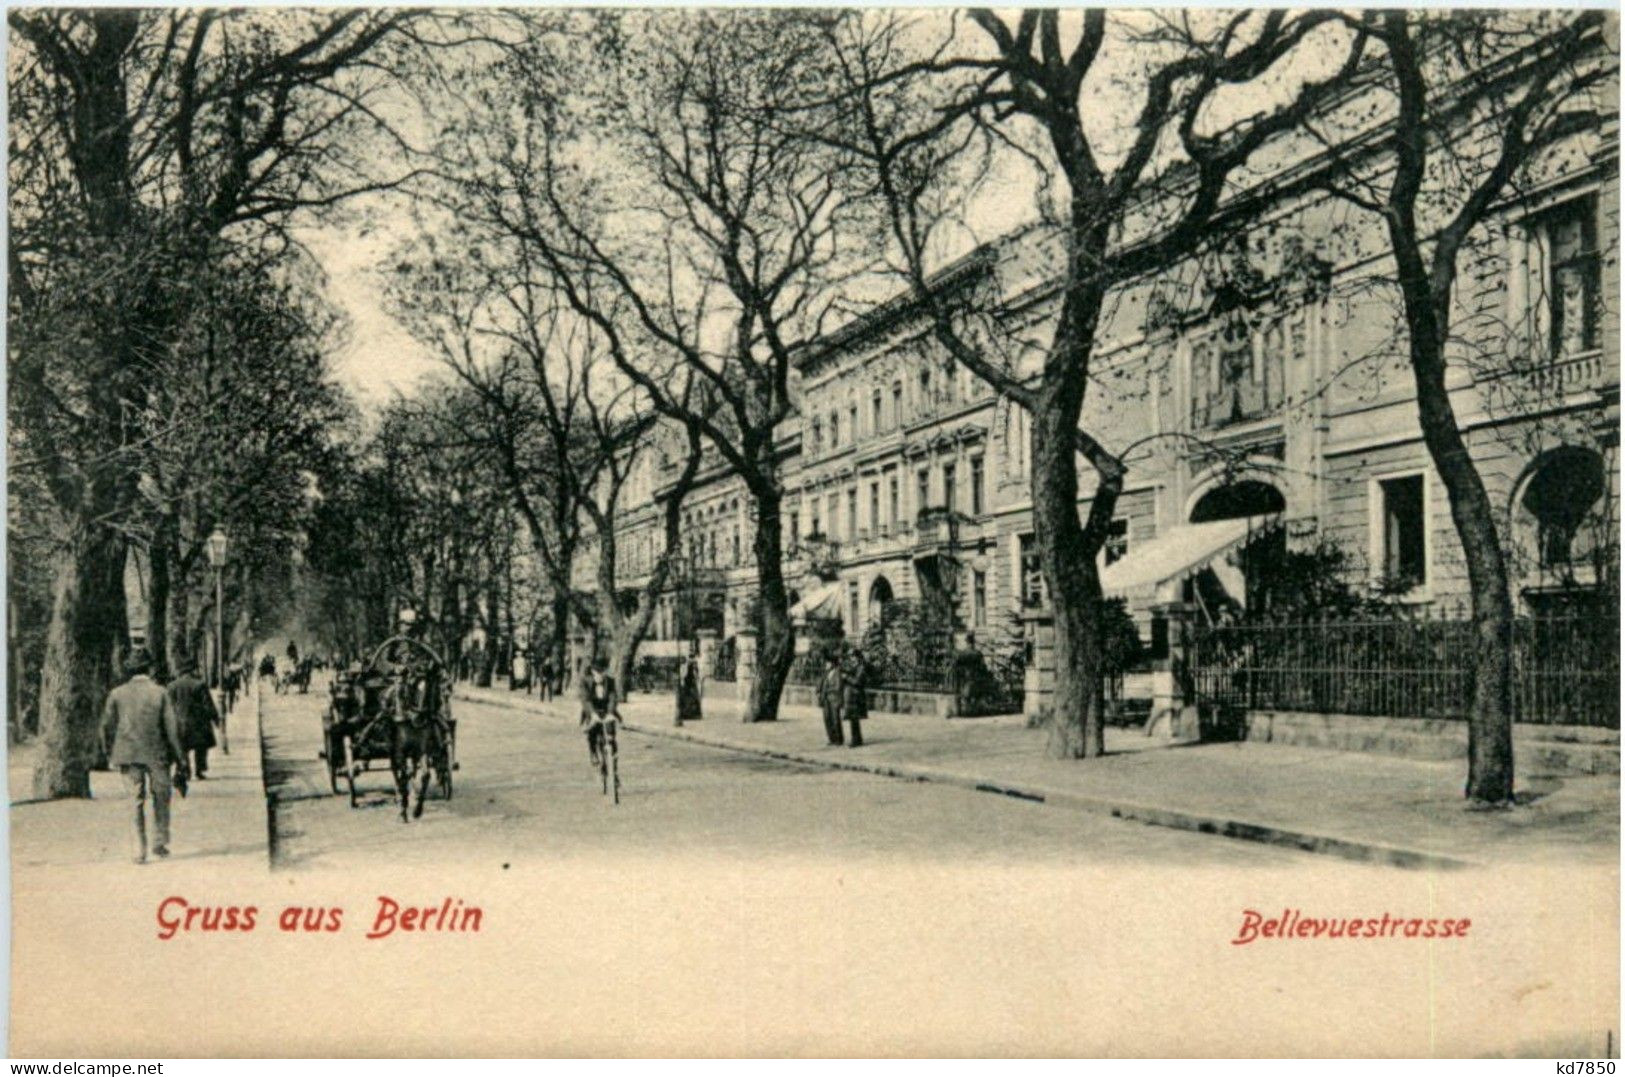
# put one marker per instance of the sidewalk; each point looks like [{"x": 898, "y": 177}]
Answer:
[
  {"x": 220, "y": 821},
  {"x": 1397, "y": 811}
]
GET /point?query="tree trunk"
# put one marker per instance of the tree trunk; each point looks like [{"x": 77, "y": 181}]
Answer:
[
  {"x": 1489, "y": 723},
  {"x": 489, "y": 661},
  {"x": 559, "y": 646},
  {"x": 158, "y": 599},
  {"x": 174, "y": 641},
  {"x": 85, "y": 634},
  {"x": 240, "y": 630},
  {"x": 777, "y": 648},
  {"x": 1076, "y": 723}
]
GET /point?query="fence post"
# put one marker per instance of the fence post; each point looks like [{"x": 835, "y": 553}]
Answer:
[{"x": 706, "y": 642}]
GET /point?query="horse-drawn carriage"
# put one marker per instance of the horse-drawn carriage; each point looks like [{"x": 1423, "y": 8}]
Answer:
[{"x": 396, "y": 706}]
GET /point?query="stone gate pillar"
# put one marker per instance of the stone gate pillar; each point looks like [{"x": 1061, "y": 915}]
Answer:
[
  {"x": 705, "y": 640},
  {"x": 1174, "y": 715},
  {"x": 745, "y": 669},
  {"x": 1038, "y": 685},
  {"x": 579, "y": 659}
]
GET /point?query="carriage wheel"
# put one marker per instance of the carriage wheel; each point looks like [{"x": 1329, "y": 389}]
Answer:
[
  {"x": 332, "y": 761},
  {"x": 349, "y": 767}
]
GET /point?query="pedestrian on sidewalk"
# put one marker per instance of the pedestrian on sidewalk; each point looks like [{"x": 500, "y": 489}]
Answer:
[
  {"x": 688, "y": 691},
  {"x": 146, "y": 742},
  {"x": 544, "y": 681},
  {"x": 195, "y": 714},
  {"x": 832, "y": 697},
  {"x": 855, "y": 695}
]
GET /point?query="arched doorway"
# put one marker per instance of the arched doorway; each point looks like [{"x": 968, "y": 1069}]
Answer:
[
  {"x": 1239, "y": 581},
  {"x": 1237, "y": 500},
  {"x": 880, "y": 597}
]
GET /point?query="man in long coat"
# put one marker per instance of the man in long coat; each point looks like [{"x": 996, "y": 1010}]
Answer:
[
  {"x": 855, "y": 696},
  {"x": 832, "y": 697},
  {"x": 196, "y": 715},
  {"x": 146, "y": 741}
]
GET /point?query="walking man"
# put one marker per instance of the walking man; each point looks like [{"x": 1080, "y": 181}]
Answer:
[
  {"x": 228, "y": 691},
  {"x": 545, "y": 681},
  {"x": 832, "y": 697},
  {"x": 145, "y": 743},
  {"x": 195, "y": 714}
]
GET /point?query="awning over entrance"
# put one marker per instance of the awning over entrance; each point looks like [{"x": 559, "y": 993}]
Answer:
[
  {"x": 1178, "y": 553},
  {"x": 822, "y": 604}
]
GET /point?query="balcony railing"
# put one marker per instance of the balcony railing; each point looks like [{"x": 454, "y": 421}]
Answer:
[
  {"x": 821, "y": 556},
  {"x": 937, "y": 529}
]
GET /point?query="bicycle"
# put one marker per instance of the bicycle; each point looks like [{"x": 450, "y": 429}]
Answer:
[{"x": 609, "y": 756}]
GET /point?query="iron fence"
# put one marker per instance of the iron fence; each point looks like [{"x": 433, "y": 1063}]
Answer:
[
  {"x": 1565, "y": 668},
  {"x": 657, "y": 673},
  {"x": 725, "y": 663}
]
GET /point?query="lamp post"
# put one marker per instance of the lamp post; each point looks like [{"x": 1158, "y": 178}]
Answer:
[{"x": 217, "y": 561}]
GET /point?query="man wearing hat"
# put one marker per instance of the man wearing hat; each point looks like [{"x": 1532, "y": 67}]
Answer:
[
  {"x": 146, "y": 737},
  {"x": 196, "y": 715}
]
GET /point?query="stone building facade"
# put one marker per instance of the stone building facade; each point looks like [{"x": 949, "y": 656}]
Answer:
[{"x": 1268, "y": 383}]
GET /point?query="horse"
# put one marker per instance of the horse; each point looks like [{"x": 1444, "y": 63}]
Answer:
[{"x": 420, "y": 738}]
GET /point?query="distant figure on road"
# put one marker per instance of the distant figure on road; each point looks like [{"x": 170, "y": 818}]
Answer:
[
  {"x": 196, "y": 715},
  {"x": 228, "y": 690},
  {"x": 855, "y": 688},
  {"x": 832, "y": 697},
  {"x": 688, "y": 690},
  {"x": 544, "y": 680},
  {"x": 146, "y": 741}
]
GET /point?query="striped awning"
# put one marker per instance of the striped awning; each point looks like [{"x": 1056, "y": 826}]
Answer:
[
  {"x": 824, "y": 604},
  {"x": 1179, "y": 553}
]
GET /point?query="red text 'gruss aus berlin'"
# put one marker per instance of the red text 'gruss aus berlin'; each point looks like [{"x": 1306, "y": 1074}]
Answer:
[{"x": 176, "y": 915}]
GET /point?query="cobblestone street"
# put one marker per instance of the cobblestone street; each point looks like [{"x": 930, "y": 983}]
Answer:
[{"x": 525, "y": 790}]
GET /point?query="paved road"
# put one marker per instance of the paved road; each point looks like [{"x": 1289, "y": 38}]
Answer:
[{"x": 525, "y": 791}]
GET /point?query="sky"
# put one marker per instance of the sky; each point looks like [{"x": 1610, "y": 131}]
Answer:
[{"x": 379, "y": 358}]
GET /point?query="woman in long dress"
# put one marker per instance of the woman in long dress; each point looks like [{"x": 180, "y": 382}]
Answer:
[{"x": 688, "y": 691}]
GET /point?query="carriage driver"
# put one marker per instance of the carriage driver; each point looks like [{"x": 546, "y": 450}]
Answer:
[{"x": 599, "y": 703}]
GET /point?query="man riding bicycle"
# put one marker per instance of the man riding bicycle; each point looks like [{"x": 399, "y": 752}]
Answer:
[{"x": 598, "y": 707}]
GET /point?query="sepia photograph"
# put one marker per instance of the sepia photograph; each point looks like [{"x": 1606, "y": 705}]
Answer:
[{"x": 813, "y": 532}]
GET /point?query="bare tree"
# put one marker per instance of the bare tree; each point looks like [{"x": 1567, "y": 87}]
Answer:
[
  {"x": 565, "y": 431},
  {"x": 1126, "y": 200},
  {"x": 705, "y": 240},
  {"x": 138, "y": 140}
]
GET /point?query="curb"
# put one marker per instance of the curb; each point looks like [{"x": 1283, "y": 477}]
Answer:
[
  {"x": 1355, "y": 849},
  {"x": 271, "y": 843}
]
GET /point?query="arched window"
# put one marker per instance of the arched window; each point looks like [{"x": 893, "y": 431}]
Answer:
[{"x": 1561, "y": 508}]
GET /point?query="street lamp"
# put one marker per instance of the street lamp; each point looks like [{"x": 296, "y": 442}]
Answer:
[{"x": 217, "y": 561}]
